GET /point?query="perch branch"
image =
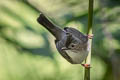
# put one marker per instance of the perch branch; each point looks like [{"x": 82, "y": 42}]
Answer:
[{"x": 89, "y": 32}]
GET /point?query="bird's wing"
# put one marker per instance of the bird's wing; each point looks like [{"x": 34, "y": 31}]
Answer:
[
  {"x": 76, "y": 33},
  {"x": 59, "y": 46}
]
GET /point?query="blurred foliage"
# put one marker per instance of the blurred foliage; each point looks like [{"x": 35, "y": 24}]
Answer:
[{"x": 27, "y": 50}]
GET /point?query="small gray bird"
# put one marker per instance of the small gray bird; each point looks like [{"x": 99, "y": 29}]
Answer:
[{"x": 70, "y": 43}]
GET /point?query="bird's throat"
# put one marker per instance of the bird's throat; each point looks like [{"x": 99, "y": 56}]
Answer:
[{"x": 77, "y": 56}]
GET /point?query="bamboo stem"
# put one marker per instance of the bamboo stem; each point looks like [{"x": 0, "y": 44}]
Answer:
[{"x": 89, "y": 32}]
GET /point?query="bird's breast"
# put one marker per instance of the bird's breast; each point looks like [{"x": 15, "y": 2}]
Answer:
[{"x": 77, "y": 56}]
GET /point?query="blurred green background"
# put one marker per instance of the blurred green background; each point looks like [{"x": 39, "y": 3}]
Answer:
[{"x": 27, "y": 50}]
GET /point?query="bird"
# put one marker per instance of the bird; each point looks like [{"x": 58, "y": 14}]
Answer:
[{"x": 72, "y": 44}]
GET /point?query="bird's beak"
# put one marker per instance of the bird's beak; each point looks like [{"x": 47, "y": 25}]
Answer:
[{"x": 64, "y": 48}]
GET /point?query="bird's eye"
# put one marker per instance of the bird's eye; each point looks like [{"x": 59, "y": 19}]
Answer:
[{"x": 72, "y": 45}]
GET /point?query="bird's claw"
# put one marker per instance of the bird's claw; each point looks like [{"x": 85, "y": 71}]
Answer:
[
  {"x": 86, "y": 65},
  {"x": 90, "y": 36}
]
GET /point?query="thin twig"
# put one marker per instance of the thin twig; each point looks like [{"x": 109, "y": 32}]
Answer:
[{"x": 89, "y": 32}]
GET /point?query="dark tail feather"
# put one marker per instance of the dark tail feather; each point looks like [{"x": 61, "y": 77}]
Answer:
[{"x": 56, "y": 31}]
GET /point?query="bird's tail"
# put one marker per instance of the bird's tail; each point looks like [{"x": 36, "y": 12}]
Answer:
[{"x": 44, "y": 21}]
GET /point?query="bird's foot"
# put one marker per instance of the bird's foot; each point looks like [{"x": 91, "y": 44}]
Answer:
[
  {"x": 90, "y": 36},
  {"x": 86, "y": 65}
]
